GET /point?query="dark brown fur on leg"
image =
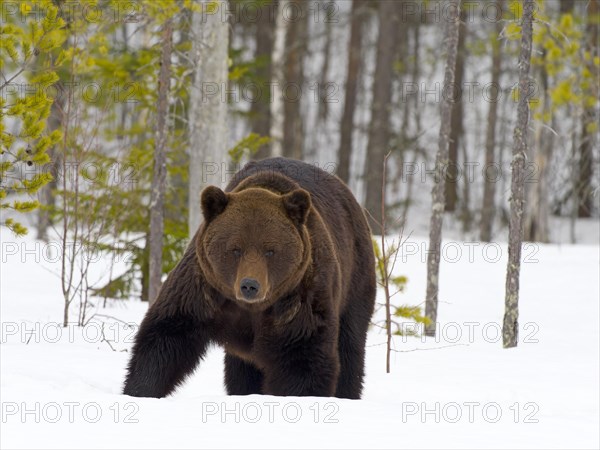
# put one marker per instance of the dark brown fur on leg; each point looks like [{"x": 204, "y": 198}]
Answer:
[{"x": 241, "y": 378}]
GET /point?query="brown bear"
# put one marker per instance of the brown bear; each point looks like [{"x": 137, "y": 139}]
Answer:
[{"x": 281, "y": 274}]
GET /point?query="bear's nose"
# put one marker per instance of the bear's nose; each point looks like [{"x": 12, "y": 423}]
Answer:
[{"x": 249, "y": 287}]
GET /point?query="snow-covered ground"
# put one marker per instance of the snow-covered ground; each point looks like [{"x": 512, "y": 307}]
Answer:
[{"x": 60, "y": 388}]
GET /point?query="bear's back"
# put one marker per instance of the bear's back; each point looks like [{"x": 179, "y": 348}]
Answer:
[{"x": 334, "y": 201}]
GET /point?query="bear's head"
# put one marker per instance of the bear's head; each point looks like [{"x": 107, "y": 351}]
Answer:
[{"x": 254, "y": 245}]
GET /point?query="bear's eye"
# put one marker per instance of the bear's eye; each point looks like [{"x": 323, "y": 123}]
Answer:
[
  {"x": 269, "y": 253},
  {"x": 236, "y": 252}
]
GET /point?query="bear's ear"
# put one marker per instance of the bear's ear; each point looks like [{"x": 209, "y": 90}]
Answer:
[
  {"x": 297, "y": 204},
  {"x": 213, "y": 201}
]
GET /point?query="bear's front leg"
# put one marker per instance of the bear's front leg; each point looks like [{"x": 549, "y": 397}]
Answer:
[
  {"x": 166, "y": 351},
  {"x": 174, "y": 334},
  {"x": 301, "y": 356},
  {"x": 310, "y": 375}
]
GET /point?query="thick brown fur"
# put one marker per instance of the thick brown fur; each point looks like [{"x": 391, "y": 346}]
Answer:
[{"x": 281, "y": 274}]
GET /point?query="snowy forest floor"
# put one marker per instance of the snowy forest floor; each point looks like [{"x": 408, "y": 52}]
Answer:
[{"x": 60, "y": 388}]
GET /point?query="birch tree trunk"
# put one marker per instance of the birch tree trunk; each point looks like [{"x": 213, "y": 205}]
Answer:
[
  {"x": 456, "y": 121},
  {"x": 278, "y": 82},
  {"x": 515, "y": 227},
  {"x": 208, "y": 105},
  {"x": 441, "y": 162},
  {"x": 157, "y": 194},
  {"x": 489, "y": 189}
]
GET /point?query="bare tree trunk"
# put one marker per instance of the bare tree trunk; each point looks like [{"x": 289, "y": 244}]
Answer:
[
  {"x": 441, "y": 161},
  {"x": 411, "y": 110},
  {"x": 502, "y": 145},
  {"x": 415, "y": 76},
  {"x": 573, "y": 178},
  {"x": 586, "y": 156},
  {"x": 320, "y": 127},
  {"x": 405, "y": 138},
  {"x": 56, "y": 121},
  {"x": 379, "y": 130},
  {"x": 354, "y": 60},
  {"x": 386, "y": 272},
  {"x": 456, "y": 121},
  {"x": 489, "y": 188},
  {"x": 208, "y": 113},
  {"x": 157, "y": 195},
  {"x": 47, "y": 192},
  {"x": 535, "y": 228},
  {"x": 296, "y": 48},
  {"x": 145, "y": 270},
  {"x": 584, "y": 173},
  {"x": 515, "y": 229},
  {"x": 68, "y": 250},
  {"x": 466, "y": 217},
  {"x": 260, "y": 108},
  {"x": 177, "y": 180},
  {"x": 323, "y": 110},
  {"x": 277, "y": 61}
]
